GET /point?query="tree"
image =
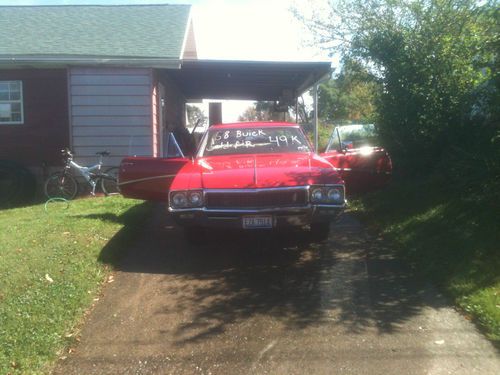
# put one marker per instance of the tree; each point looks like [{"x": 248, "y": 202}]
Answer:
[
  {"x": 350, "y": 96},
  {"x": 429, "y": 56},
  {"x": 264, "y": 111},
  {"x": 304, "y": 112},
  {"x": 194, "y": 114}
]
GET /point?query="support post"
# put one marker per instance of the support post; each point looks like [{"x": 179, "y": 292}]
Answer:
[
  {"x": 296, "y": 110},
  {"x": 315, "y": 99},
  {"x": 214, "y": 113}
]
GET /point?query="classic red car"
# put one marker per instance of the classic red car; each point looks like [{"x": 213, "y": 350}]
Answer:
[
  {"x": 244, "y": 175},
  {"x": 362, "y": 164}
]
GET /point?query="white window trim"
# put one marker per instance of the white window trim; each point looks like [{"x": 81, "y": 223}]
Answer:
[{"x": 20, "y": 101}]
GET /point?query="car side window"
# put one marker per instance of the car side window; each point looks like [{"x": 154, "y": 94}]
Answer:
[
  {"x": 334, "y": 142},
  {"x": 172, "y": 149}
]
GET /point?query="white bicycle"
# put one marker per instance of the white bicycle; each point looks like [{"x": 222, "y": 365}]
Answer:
[{"x": 63, "y": 184}]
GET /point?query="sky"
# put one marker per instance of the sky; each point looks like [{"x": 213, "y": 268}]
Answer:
[{"x": 235, "y": 30}]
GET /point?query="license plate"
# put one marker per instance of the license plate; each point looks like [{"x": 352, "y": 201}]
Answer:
[{"x": 253, "y": 222}]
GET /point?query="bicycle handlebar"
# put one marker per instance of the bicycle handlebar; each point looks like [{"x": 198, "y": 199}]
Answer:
[{"x": 66, "y": 152}]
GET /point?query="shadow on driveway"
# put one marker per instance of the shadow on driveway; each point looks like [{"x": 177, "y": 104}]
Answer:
[{"x": 238, "y": 275}]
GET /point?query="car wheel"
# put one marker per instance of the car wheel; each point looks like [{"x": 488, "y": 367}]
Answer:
[{"x": 320, "y": 231}]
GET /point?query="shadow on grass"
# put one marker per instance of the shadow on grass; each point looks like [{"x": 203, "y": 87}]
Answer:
[
  {"x": 445, "y": 235},
  {"x": 133, "y": 221},
  {"x": 450, "y": 236},
  {"x": 351, "y": 280}
]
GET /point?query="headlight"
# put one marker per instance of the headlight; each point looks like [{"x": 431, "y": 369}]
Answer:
[
  {"x": 179, "y": 200},
  {"x": 317, "y": 195},
  {"x": 186, "y": 199},
  {"x": 327, "y": 195},
  {"x": 335, "y": 195},
  {"x": 195, "y": 198}
]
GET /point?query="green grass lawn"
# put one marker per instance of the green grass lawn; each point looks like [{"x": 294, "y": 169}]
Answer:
[
  {"x": 52, "y": 264},
  {"x": 450, "y": 235}
]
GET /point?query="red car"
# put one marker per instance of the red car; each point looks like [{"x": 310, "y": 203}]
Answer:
[
  {"x": 363, "y": 165},
  {"x": 244, "y": 175}
]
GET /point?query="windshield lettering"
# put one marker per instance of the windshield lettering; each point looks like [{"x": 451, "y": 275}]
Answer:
[{"x": 246, "y": 141}]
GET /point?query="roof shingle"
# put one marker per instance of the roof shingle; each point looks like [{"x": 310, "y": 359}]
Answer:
[{"x": 138, "y": 31}]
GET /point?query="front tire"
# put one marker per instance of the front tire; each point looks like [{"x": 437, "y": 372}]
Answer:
[
  {"x": 109, "y": 182},
  {"x": 61, "y": 185},
  {"x": 320, "y": 231}
]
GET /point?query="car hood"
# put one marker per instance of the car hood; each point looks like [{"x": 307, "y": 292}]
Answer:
[{"x": 264, "y": 171}]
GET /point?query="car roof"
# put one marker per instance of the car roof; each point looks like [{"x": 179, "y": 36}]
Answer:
[{"x": 255, "y": 124}]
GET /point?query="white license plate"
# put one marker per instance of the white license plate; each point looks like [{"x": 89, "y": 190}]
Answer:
[{"x": 251, "y": 222}]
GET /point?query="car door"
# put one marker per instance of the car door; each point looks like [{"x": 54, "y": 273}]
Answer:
[
  {"x": 362, "y": 168},
  {"x": 337, "y": 153},
  {"x": 149, "y": 178}
]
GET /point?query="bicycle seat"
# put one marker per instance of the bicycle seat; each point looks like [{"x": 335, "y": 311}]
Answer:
[{"x": 103, "y": 153}]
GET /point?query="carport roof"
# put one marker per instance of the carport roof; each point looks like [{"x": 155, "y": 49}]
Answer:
[{"x": 250, "y": 80}]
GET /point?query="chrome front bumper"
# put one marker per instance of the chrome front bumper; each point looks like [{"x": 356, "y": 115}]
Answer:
[{"x": 232, "y": 218}]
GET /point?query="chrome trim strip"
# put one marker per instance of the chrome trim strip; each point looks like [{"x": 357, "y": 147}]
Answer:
[
  {"x": 257, "y": 190},
  {"x": 329, "y": 185},
  {"x": 146, "y": 179},
  {"x": 257, "y": 210},
  {"x": 330, "y": 205}
]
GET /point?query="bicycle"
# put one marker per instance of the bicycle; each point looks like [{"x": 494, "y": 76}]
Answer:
[{"x": 63, "y": 184}]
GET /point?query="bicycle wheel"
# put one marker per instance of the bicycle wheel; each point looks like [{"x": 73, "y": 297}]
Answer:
[
  {"x": 61, "y": 185},
  {"x": 109, "y": 181}
]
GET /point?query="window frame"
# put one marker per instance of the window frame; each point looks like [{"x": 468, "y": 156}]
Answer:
[{"x": 10, "y": 101}]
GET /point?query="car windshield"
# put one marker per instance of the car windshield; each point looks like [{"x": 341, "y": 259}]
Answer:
[
  {"x": 254, "y": 141},
  {"x": 353, "y": 136}
]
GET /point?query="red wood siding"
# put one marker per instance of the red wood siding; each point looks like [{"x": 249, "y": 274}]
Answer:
[{"x": 45, "y": 130}]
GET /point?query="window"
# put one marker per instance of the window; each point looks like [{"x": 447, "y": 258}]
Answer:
[
  {"x": 11, "y": 102},
  {"x": 334, "y": 142}
]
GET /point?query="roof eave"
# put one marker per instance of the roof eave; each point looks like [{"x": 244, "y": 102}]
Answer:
[
  {"x": 149, "y": 62},
  {"x": 312, "y": 81}
]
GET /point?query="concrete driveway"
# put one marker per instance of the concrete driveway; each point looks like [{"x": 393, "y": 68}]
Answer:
[{"x": 261, "y": 303}]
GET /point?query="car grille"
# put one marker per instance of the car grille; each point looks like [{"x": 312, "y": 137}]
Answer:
[{"x": 256, "y": 199}]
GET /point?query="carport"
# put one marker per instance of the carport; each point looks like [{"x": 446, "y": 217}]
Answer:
[{"x": 282, "y": 82}]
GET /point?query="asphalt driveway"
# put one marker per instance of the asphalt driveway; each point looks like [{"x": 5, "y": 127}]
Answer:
[{"x": 256, "y": 303}]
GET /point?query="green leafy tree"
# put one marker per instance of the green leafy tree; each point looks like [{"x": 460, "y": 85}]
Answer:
[
  {"x": 194, "y": 114},
  {"x": 264, "y": 111},
  {"x": 350, "y": 96},
  {"x": 431, "y": 58}
]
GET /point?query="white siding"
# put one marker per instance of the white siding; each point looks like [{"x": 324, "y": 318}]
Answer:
[{"x": 110, "y": 110}]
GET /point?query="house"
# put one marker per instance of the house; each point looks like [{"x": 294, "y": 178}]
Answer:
[{"x": 116, "y": 78}]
